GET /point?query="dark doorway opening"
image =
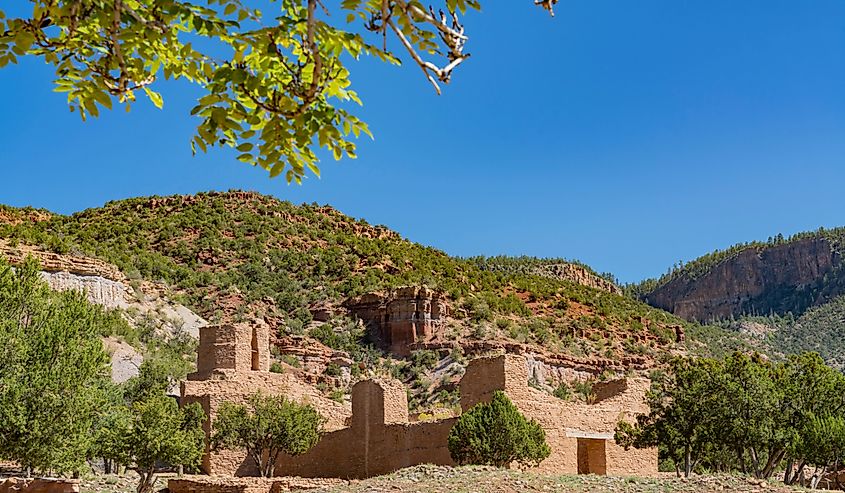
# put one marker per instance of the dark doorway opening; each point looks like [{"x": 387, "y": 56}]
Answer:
[{"x": 592, "y": 456}]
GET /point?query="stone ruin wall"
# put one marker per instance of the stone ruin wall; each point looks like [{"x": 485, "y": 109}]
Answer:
[
  {"x": 403, "y": 317},
  {"x": 378, "y": 437},
  {"x": 571, "y": 427},
  {"x": 233, "y": 362}
]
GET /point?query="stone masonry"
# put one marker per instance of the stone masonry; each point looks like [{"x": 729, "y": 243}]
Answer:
[
  {"x": 233, "y": 362},
  {"x": 379, "y": 438}
]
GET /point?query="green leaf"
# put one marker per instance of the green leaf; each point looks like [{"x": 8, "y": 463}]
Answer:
[{"x": 155, "y": 98}]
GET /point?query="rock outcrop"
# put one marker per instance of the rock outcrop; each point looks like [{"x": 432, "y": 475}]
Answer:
[
  {"x": 105, "y": 285},
  {"x": 403, "y": 317},
  {"x": 757, "y": 280},
  {"x": 577, "y": 274}
]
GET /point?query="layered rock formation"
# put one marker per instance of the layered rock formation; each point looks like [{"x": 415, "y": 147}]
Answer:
[
  {"x": 105, "y": 285},
  {"x": 782, "y": 278},
  {"x": 577, "y": 274},
  {"x": 403, "y": 317}
]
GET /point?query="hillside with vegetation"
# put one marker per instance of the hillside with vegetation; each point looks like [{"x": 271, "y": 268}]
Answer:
[
  {"x": 785, "y": 294},
  {"x": 244, "y": 257}
]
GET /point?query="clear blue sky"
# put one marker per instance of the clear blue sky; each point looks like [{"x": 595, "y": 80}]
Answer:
[{"x": 628, "y": 135}]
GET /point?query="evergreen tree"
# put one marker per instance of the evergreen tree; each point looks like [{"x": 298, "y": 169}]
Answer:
[
  {"x": 53, "y": 370},
  {"x": 497, "y": 434}
]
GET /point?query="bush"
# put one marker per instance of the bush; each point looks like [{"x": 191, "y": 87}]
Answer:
[
  {"x": 563, "y": 392},
  {"x": 497, "y": 434}
]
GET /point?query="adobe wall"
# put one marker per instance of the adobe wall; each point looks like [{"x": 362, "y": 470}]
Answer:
[
  {"x": 564, "y": 422},
  {"x": 225, "y": 359},
  {"x": 377, "y": 438},
  {"x": 239, "y": 347},
  {"x": 30, "y": 485},
  {"x": 380, "y": 439}
]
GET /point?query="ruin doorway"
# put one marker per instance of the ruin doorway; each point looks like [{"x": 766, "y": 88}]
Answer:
[{"x": 592, "y": 456}]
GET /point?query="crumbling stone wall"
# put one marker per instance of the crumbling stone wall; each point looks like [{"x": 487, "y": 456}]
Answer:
[
  {"x": 404, "y": 317},
  {"x": 565, "y": 423},
  {"x": 232, "y": 364},
  {"x": 30, "y": 485},
  {"x": 378, "y": 438}
]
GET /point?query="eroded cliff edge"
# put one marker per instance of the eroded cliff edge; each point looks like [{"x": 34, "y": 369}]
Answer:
[{"x": 788, "y": 277}]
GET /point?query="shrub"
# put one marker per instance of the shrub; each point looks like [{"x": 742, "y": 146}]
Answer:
[
  {"x": 563, "y": 392},
  {"x": 497, "y": 434},
  {"x": 333, "y": 370}
]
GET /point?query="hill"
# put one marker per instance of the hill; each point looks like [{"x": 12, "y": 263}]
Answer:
[
  {"x": 244, "y": 257},
  {"x": 786, "y": 293}
]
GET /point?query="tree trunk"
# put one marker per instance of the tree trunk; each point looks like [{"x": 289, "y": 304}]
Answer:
[
  {"x": 788, "y": 473},
  {"x": 755, "y": 461},
  {"x": 687, "y": 462},
  {"x": 775, "y": 457}
]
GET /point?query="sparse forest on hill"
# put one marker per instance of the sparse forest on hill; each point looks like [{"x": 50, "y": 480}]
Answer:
[
  {"x": 239, "y": 256},
  {"x": 783, "y": 296}
]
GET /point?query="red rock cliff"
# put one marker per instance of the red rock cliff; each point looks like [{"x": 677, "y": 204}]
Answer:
[{"x": 782, "y": 278}]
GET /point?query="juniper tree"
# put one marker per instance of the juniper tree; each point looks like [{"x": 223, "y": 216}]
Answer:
[
  {"x": 156, "y": 431},
  {"x": 497, "y": 434},
  {"x": 53, "y": 371},
  {"x": 266, "y": 427}
]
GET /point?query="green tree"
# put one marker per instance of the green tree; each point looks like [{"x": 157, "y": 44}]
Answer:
[
  {"x": 743, "y": 413},
  {"x": 811, "y": 389},
  {"x": 827, "y": 434},
  {"x": 266, "y": 427},
  {"x": 750, "y": 420},
  {"x": 156, "y": 375},
  {"x": 109, "y": 430},
  {"x": 155, "y": 431},
  {"x": 684, "y": 413},
  {"x": 53, "y": 370},
  {"x": 497, "y": 434},
  {"x": 273, "y": 79}
]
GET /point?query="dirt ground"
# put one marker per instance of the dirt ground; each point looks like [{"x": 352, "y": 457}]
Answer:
[{"x": 437, "y": 479}]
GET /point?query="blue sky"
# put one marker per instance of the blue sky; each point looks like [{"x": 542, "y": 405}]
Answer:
[{"x": 629, "y": 135}]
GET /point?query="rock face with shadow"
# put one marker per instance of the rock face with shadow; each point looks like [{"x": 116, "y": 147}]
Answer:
[{"x": 789, "y": 277}]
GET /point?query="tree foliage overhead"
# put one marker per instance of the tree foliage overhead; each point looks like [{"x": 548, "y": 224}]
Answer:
[
  {"x": 497, "y": 434},
  {"x": 273, "y": 74}
]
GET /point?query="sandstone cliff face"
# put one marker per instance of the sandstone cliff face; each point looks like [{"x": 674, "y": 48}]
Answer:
[
  {"x": 782, "y": 278},
  {"x": 402, "y": 317}
]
